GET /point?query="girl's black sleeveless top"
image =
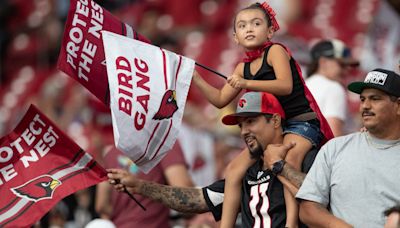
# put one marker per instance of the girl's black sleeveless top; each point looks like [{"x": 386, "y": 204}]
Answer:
[{"x": 293, "y": 104}]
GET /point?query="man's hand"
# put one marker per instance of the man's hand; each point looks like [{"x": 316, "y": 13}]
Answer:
[
  {"x": 289, "y": 177},
  {"x": 237, "y": 82},
  {"x": 276, "y": 152},
  {"x": 120, "y": 178}
]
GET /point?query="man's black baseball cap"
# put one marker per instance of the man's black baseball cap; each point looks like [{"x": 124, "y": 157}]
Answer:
[{"x": 384, "y": 80}]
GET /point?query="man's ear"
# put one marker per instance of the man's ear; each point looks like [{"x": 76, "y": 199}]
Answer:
[
  {"x": 277, "y": 120},
  {"x": 398, "y": 106}
]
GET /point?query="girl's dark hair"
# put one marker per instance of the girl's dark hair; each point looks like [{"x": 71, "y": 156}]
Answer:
[
  {"x": 312, "y": 67},
  {"x": 253, "y": 6}
]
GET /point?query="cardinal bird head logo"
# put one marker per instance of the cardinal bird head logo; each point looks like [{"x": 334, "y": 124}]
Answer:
[
  {"x": 242, "y": 102},
  {"x": 167, "y": 107},
  {"x": 37, "y": 189}
]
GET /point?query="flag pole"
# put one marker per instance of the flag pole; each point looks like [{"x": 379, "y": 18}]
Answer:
[
  {"x": 209, "y": 69},
  {"x": 132, "y": 197},
  {"x": 117, "y": 181}
]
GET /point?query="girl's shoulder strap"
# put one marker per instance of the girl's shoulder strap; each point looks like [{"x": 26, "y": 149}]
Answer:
[{"x": 246, "y": 70}]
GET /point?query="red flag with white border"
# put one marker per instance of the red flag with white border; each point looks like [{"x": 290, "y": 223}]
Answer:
[
  {"x": 148, "y": 91},
  {"x": 82, "y": 53},
  {"x": 39, "y": 166}
]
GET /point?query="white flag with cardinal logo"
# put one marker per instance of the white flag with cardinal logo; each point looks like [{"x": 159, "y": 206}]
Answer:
[{"x": 148, "y": 90}]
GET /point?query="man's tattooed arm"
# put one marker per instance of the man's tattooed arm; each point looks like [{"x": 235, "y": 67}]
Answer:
[
  {"x": 187, "y": 200},
  {"x": 291, "y": 178},
  {"x": 295, "y": 177}
]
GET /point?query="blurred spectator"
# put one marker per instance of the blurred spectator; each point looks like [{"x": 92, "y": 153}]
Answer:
[
  {"x": 58, "y": 216},
  {"x": 100, "y": 223},
  {"x": 82, "y": 213},
  {"x": 330, "y": 62},
  {"x": 167, "y": 42},
  {"x": 381, "y": 47},
  {"x": 74, "y": 211},
  {"x": 64, "y": 101},
  {"x": 148, "y": 24},
  {"x": 121, "y": 209}
]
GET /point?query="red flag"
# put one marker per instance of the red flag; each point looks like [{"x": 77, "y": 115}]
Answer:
[
  {"x": 40, "y": 165},
  {"x": 82, "y": 52}
]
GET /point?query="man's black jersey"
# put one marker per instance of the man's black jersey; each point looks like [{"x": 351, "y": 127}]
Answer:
[{"x": 262, "y": 201}]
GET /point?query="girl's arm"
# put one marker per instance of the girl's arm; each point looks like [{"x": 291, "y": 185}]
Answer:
[
  {"x": 235, "y": 173},
  {"x": 218, "y": 97},
  {"x": 279, "y": 59}
]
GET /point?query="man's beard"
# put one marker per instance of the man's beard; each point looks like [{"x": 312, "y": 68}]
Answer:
[{"x": 257, "y": 152}]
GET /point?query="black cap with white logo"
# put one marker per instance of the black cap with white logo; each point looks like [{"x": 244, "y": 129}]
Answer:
[{"x": 385, "y": 80}]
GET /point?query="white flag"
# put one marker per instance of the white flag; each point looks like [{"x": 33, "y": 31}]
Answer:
[{"x": 148, "y": 90}]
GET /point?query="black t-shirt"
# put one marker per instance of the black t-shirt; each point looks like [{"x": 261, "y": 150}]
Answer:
[
  {"x": 295, "y": 103},
  {"x": 262, "y": 202}
]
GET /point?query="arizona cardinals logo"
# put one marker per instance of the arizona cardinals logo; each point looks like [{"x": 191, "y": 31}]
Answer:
[
  {"x": 37, "y": 189},
  {"x": 167, "y": 107},
  {"x": 242, "y": 103}
]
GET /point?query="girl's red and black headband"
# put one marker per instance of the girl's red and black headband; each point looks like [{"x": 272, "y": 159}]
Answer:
[{"x": 271, "y": 13}]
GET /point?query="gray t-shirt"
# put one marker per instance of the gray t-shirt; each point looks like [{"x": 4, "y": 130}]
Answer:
[{"x": 357, "y": 177}]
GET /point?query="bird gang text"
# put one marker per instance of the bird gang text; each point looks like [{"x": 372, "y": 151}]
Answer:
[{"x": 126, "y": 80}]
